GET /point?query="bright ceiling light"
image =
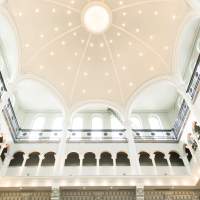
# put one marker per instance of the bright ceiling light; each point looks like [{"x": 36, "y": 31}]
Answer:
[{"x": 96, "y": 17}]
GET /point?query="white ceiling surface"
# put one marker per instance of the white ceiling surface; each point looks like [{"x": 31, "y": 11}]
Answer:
[
  {"x": 157, "y": 97},
  {"x": 82, "y": 66},
  {"x": 33, "y": 96}
]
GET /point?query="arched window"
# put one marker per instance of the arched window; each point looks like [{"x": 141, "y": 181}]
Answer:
[
  {"x": 160, "y": 159},
  {"x": 105, "y": 159},
  {"x": 33, "y": 159},
  {"x": 122, "y": 159},
  {"x": 49, "y": 159},
  {"x": 72, "y": 159},
  {"x": 175, "y": 159},
  {"x": 89, "y": 159},
  {"x": 97, "y": 123},
  {"x": 39, "y": 123},
  {"x": 115, "y": 123},
  {"x": 17, "y": 159},
  {"x": 145, "y": 159},
  {"x": 155, "y": 122},
  {"x": 77, "y": 123},
  {"x": 58, "y": 123},
  {"x": 136, "y": 122}
]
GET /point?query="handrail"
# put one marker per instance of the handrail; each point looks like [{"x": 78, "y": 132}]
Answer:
[
  {"x": 19, "y": 133},
  {"x": 194, "y": 81}
]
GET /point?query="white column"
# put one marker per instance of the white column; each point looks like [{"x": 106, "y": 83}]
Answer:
[
  {"x": 41, "y": 157},
  {"x": 25, "y": 157},
  {"x": 97, "y": 163},
  {"x": 132, "y": 148},
  {"x": 140, "y": 193},
  {"x": 81, "y": 157},
  {"x": 114, "y": 164},
  {"x": 152, "y": 156},
  {"x": 167, "y": 157},
  {"x": 60, "y": 154},
  {"x": 5, "y": 165},
  {"x": 186, "y": 163}
]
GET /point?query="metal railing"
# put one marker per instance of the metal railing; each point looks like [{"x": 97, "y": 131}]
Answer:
[
  {"x": 154, "y": 135},
  {"x": 194, "y": 83},
  {"x": 105, "y": 135}
]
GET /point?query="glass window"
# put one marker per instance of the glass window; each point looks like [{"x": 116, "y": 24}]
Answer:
[
  {"x": 58, "y": 123},
  {"x": 136, "y": 122},
  {"x": 97, "y": 123},
  {"x": 115, "y": 123},
  {"x": 39, "y": 123},
  {"x": 155, "y": 122},
  {"x": 77, "y": 123}
]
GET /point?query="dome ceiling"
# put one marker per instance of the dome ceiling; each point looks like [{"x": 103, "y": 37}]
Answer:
[{"x": 133, "y": 43}]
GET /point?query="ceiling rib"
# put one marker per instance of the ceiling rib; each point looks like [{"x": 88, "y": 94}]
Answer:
[
  {"x": 79, "y": 67},
  {"x": 62, "y": 5},
  {"x": 51, "y": 42},
  {"x": 138, "y": 3},
  {"x": 147, "y": 46},
  {"x": 114, "y": 68}
]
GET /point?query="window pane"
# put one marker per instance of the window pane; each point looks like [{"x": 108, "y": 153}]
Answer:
[
  {"x": 154, "y": 122},
  {"x": 97, "y": 123},
  {"x": 77, "y": 123},
  {"x": 58, "y": 123},
  {"x": 39, "y": 123},
  {"x": 115, "y": 123},
  {"x": 136, "y": 123}
]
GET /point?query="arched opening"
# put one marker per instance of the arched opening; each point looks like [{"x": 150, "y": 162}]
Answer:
[
  {"x": 4, "y": 152},
  {"x": 154, "y": 122},
  {"x": 106, "y": 159},
  {"x": 89, "y": 159},
  {"x": 154, "y": 103},
  {"x": 115, "y": 123},
  {"x": 72, "y": 159},
  {"x": 160, "y": 159},
  {"x": 188, "y": 153},
  {"x": 33, "y": 159},
  {"x": 97, "y": 123},
  {"x": 122, "y": 159},
  {"x": 49, "y": 159},
  {"x": 39, "y": 123},
  {"x": 175, "y": 159},
  {"x": 145, "y": 159},
  {"x": 77, "y": 123},
  {"x": 1, "y": 138},
  {"x": 58, "y": 123},
  {"x": 136, "y": 122},
  {"x": 17, "y": 160},
  {"x": 39, "y": 105}
]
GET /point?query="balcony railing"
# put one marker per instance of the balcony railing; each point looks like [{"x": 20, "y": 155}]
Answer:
[
  {"x": 107, "y": 135},
  {"x": 154, "y": 135},
  {"x": 194, "y": 83},
  {"x": 181, "y": 119}
]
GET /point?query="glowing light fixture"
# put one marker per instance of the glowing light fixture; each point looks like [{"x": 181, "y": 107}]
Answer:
[{"x": 96, "y": 17}]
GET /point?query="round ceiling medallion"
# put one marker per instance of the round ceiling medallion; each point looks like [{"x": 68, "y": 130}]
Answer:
[{"x": 96, "y": 17}]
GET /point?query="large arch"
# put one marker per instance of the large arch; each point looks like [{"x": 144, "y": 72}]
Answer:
[
  {"x": 28, "y": 90},
  {"x": 9, "y": 44},
  {"x": 182, "y": 50},
  {"x": 87, "y": 104},
  {"x": 144, "y": 86}
]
